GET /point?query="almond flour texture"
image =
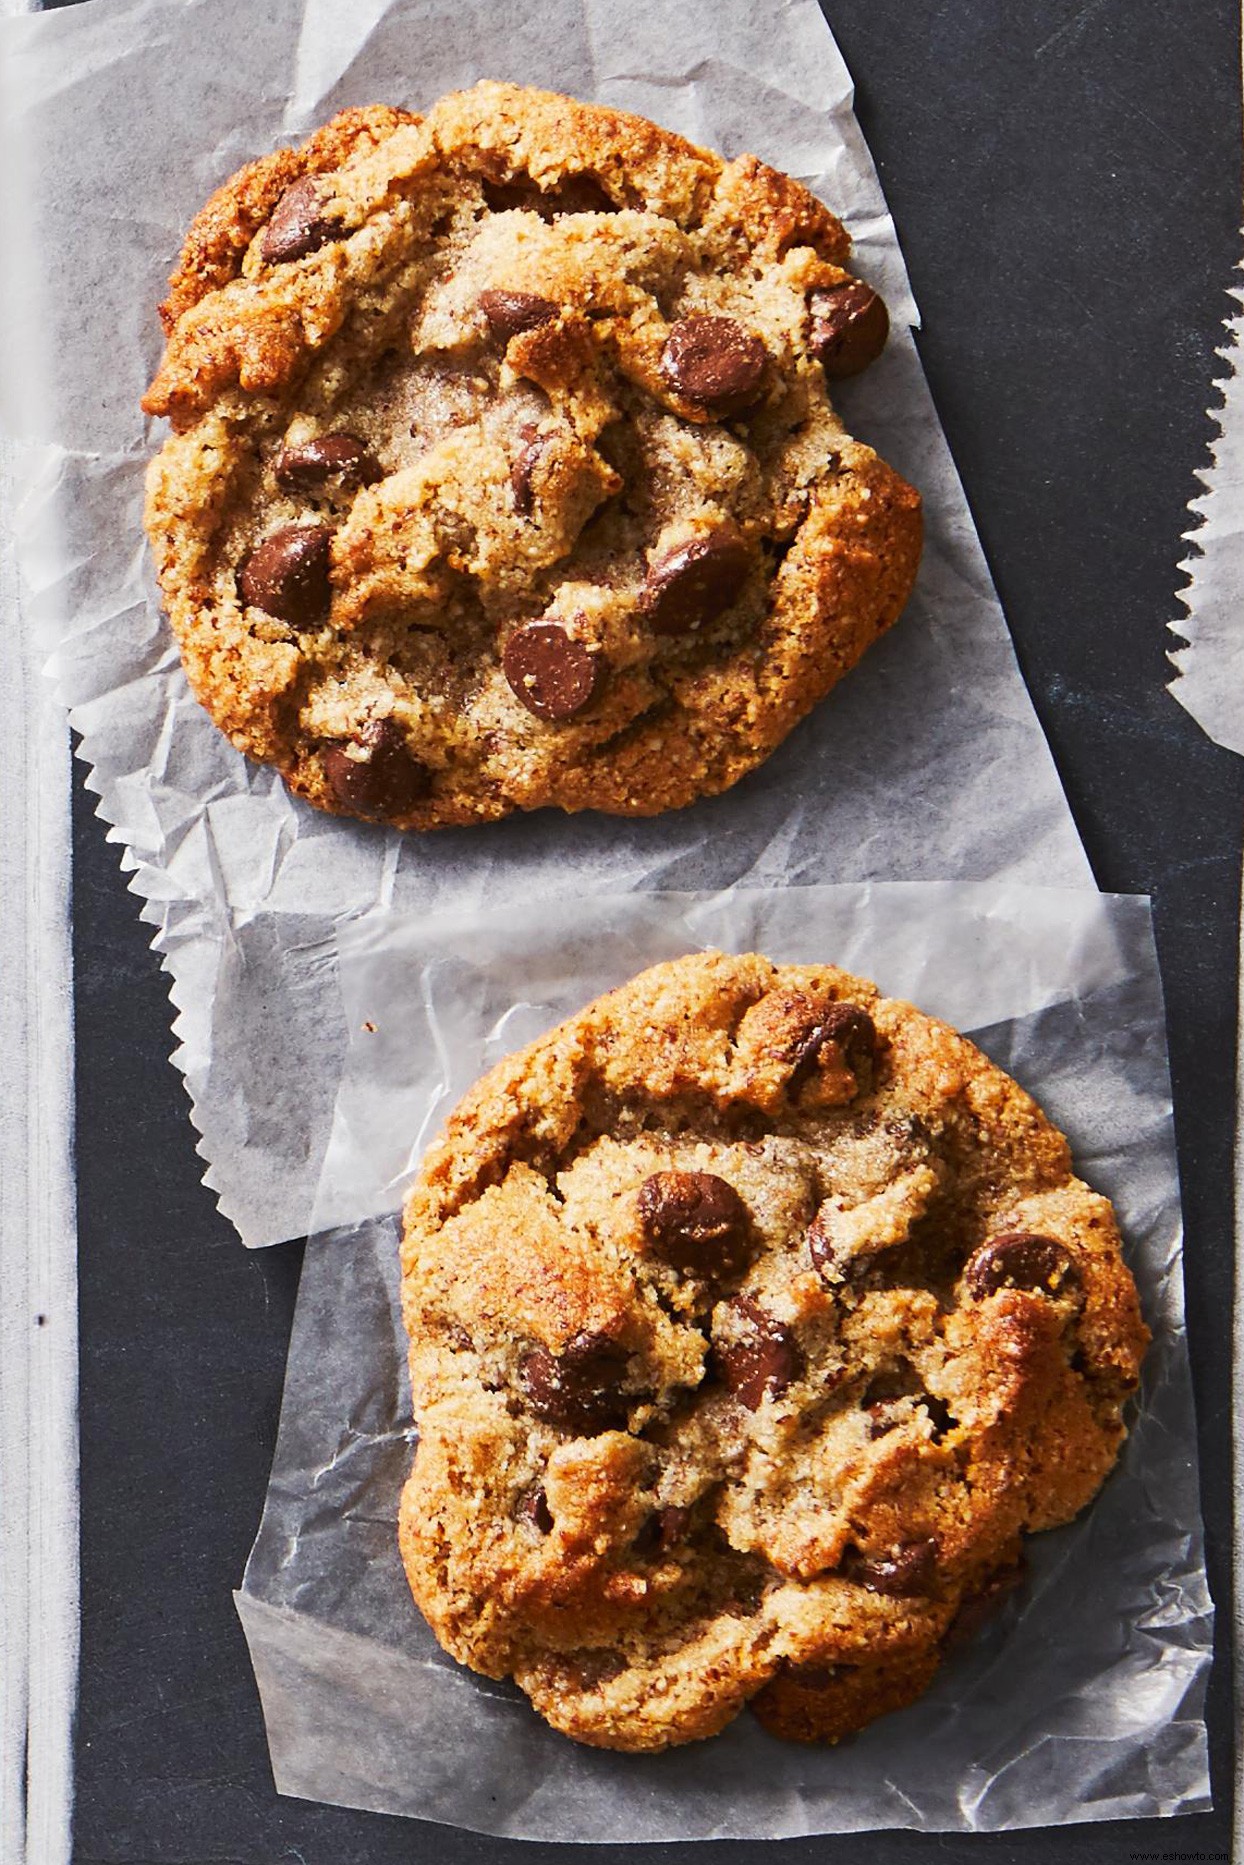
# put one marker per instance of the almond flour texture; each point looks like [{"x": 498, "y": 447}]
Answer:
[
  {"x": 504, "y": 471},
  {"x": 754, "y": 1319}
]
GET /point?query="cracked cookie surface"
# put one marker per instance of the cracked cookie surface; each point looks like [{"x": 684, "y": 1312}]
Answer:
[
  {"x": 754, "y": 1319},
  {"x": 504, "y": 471}
]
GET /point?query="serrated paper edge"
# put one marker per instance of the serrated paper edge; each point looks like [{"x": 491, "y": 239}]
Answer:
[{"x": 1195, "y": 660}]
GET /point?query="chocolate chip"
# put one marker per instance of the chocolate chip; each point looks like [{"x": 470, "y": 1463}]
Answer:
[
  {"x": 524, "y": 467},
  {"x": 1020, "y": 1259},
  {"x": 578, "y": 1388},
  {"x": 329, "y": 456},
  {"x": 286, "y": 575},
  {"x": 905, "y": 1572},
  {"x": 509, "y": 313},
  {"x": 554, "y": 675},
  {"x": 695, "y": 1222},
  {"x": 851, "y": 1031},
  {"x": 375, "y": 774},
  {"x": 762, "y": 1357},
  {"x": 694, "y": 584},
  {"x": 849, "y": 327},
  {"x": 533, "y": 1509},
  {"x": 297, "y": 226},
  {"x": 715, "y": 362}
]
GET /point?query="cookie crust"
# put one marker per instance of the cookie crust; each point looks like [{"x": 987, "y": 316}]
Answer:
[
  {"x": 574, "y": 354},
  {"x": 754, "y": 1318}
]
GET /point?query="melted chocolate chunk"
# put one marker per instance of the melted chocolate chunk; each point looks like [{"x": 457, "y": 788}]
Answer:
[
  {"x": 762, "y": 1358},
  {"x": 311, "y": 463},
  {"x": 554, "y": 675},
  {"x": 1021, "y": 1259},
  {"x": 905, "y": 1572},
  {"x": 578, "y": 1389},
  {"x": 714, "y": 362},
  {"x": 852, "y": 1032},
  {"x": 696, "y": 583},
  {"x": 695, "y": 1222},
  {"x": 849, "y": 327},
  {"x": 509, "y": 313},
  {"x": 297, "y": 226},
  {"x": 375, "y": 774},
  {"x": 287, "y": 575}
]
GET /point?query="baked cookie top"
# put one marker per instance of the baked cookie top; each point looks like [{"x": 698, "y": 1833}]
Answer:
[
  {"x": 503, "y": 469},
  {"x": 754, "y": 1317}
]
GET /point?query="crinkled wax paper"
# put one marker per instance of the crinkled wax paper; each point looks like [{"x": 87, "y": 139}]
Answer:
[
  {"x": 277, "y": 925},
  {"x": 1210, "y": 676},
  {"x": 927, "y": 762},
  {"x": 1210, "y": 684},
  {"x": 1083, "y": 1702}
]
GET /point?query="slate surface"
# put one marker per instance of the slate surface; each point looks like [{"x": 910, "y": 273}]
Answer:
[{"x": 1065, "y": 179}]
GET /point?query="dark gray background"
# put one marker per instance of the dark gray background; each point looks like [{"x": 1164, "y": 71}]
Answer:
[{"x": 1066, "y": 183}]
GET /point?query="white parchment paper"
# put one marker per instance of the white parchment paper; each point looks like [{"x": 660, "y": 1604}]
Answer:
[
  {"x": 1083, "y": 1702},
  {"x": 1210, "y": 684},
  {"x": 275, "y": 925},
  {"x": 1210, "y": 677},
  {"x": 927, "y": 762}
]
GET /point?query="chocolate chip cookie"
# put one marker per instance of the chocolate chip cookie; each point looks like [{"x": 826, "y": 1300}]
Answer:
[
  {"x": 754, "y": 1319},
  {"x": 504, "y": 471}
]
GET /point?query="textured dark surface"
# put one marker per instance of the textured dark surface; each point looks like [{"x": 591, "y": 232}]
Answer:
[{"x": 1065, "y": 178}]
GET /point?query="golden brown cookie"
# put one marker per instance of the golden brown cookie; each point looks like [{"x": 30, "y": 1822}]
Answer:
[
  {"x": 754, "y": 1319},
  {"x": 504, "y": 471}
]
